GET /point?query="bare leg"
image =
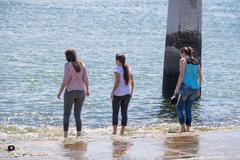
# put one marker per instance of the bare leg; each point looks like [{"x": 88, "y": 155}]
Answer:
[
  {"x": 114, "y": 129},
  {"x": 78, "y": 133},
  {"x": 122, "y": 130},
  {"x": 183, "y": 129},
  {"x": 187, "y": 128},
  {"x": 65, "y": 134}
]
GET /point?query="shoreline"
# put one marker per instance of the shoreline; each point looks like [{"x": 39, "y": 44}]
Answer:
[{"x": 215, "y": 144}]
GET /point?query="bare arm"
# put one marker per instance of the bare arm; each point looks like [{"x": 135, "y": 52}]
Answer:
[
  {"x": 87, "y": 88},
  {"x": 182, "y": 65},
  {"x": 116, "y": 84},
  {"x": 200, "y": 81},
  {"x": 132, "y": 85},
  {"x": 85, "y": 80},
  {"x": 61, "y": 89},
  {"x": 66, "y": 78},
  {"x": 200, "y": 75}
]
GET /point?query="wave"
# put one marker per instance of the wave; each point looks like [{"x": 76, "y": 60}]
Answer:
[{"x": 131, "y": 131}]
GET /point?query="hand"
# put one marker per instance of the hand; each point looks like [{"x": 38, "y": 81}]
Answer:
[
  {"x": 199, "y": 93},
  {"x": 176, "y": 91},
  {"x": 112, "y": 95},
  {"x": 58, "y": 95},
  {"x": 131, "y": 94},
  {"x": 87, "y": 93}
]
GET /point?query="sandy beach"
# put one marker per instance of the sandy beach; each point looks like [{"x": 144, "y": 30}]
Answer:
[{"x": 218, "y": 144}]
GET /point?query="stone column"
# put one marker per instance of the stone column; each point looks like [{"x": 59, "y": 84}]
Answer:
[{"x": 184, "y": 28}]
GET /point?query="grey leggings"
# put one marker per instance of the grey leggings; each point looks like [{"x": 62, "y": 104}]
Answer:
[
  {"x": 117, "y": 102},
  {"x": 77, "y": 97}
]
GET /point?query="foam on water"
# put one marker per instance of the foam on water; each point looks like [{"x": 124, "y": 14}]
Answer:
[{"x": 16, "y": 133}]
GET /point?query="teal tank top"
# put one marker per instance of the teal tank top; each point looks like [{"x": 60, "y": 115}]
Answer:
[{"x": 191, "y": 76}]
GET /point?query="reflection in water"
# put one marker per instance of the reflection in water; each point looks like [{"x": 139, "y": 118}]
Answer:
[
  {"x": 120, "y": 148},
  {"x": 168, "y": 112},
  {"x": 181, "y": 146},
  {"x": 75, "y": 150}
]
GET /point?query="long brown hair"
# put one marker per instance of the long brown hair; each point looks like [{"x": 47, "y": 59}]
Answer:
[
  {"x": 126, "y": 74},
  {"x": 71, "y": 56},
  {"x": 189, "y": 52}
]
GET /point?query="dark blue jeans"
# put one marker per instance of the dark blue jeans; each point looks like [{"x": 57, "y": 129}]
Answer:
[
  {"x": 117, "y": 102},
  {"x": 77, "y": 98},
  {"x": 188, "y": 96}
]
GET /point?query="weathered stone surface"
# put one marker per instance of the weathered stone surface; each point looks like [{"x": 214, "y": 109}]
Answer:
[{"x": 184, "y": 27}]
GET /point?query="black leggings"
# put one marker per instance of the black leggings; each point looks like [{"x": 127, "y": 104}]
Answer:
[
  {"x": 117, "y": 102},
  {"x": 77, "y": 97}
]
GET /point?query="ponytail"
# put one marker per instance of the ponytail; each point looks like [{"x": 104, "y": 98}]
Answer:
[
  {"x": 126, "y": 74},
  {"x": 77, "y": 66},
  {"x": 189, "y": 52}
]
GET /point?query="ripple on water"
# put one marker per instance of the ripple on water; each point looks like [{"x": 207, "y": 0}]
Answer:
[{"x": 36, "y": 33}]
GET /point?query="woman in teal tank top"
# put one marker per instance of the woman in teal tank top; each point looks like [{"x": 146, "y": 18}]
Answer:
[{"x": 188, "y": 87}]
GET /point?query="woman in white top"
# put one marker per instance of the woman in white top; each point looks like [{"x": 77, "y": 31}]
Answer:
[{"x": 122, "y": 92}]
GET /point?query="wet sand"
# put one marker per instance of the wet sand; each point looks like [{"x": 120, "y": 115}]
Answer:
[{"x": 223, "y": 144}]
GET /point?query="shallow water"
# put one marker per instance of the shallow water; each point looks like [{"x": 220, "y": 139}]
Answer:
[
  {"x": 34, "y": 35},
  {"x": 195, "y": 145}
]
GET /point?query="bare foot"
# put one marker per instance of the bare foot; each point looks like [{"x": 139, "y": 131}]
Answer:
[
  {"x": 187, "y": 128},
  {"x": 183, "y": 129},
  {"x": 78, "y": 134},
  {"x": 65, "y": 134},
  {"x": 122, "y": 130},
  {"x": 114, "y": 130}
]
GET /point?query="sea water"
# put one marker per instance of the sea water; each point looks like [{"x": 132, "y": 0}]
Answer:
[{"x": 35, "y": 33}]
